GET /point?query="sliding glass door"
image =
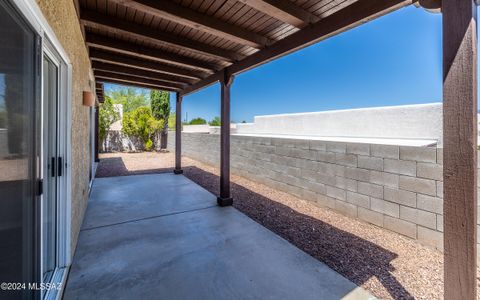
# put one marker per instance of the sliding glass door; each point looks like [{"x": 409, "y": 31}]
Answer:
[{"x": 19, "y": 155}]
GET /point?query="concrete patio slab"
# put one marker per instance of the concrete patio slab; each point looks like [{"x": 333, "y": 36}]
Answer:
[{"x": 206, "y": 252}]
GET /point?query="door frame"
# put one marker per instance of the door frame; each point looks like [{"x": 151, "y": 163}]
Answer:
[{"x": 50, "y": 45}]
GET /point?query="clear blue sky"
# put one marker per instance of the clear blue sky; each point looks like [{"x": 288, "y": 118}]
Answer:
[{"x": 394, "y": 60}]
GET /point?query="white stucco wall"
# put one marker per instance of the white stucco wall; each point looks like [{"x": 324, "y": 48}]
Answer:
[{"x": 422, "y": 121}]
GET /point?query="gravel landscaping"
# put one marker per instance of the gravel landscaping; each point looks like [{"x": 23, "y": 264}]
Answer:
[{"x": 387, "y": 264}]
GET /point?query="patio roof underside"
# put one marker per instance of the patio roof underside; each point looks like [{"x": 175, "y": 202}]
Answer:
[{"x": 185, "y": 45}]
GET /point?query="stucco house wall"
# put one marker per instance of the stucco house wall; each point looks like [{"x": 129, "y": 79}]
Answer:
[{"x": 62, "y": 17}]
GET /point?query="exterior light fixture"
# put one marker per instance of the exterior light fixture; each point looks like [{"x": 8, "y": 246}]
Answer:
[{"x": 88, "y": 98}]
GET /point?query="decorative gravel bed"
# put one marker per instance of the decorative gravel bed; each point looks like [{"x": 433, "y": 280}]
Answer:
[{"x": 387, "y": 264}]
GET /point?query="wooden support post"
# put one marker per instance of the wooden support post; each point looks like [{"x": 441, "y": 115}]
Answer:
[
  {"x": 178, "y": 135},
  {"x": 225, "y": 198},
  {"x": 96, "y": 133},
  {"x": 460, "y": 148}
]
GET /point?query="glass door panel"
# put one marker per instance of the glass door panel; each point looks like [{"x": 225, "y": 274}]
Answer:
[
  {"x": 49, "y": 204},
  {"x": 18, "y": 155}
]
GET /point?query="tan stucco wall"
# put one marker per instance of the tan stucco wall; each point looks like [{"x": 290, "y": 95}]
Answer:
[{"x": 62, "y": 17}]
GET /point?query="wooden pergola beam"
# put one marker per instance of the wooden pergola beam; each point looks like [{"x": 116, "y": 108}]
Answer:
[
  {"x": 131, "y": 83},
  {"x": 460, "y": 134},
  {"x": 171, "y": 11},
  {"x": 115, "y": 25},
  {"x": 125, "y": 60},
  {"x": 115, "y": 45},
  {"x": 133, "y": 78},
  {"x": 101, "y": 66},
  {"x": 285, "y": 11},
  {"x": 353, "y": 15}
]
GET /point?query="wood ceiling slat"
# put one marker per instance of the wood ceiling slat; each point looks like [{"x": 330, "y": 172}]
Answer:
[
  {"x": 138, "y": 75},
  {"x": 130, "y": 61},
  {"x": 133, "y": 84},
  {"x": 94, "y": 19},
  {"x": 130, "y": 78}
]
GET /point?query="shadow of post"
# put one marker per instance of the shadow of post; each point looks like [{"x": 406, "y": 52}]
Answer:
[{"x": 351, "y": 256}]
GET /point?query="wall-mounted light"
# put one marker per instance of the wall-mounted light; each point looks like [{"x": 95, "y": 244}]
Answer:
[{"x": 88, "y": 98}]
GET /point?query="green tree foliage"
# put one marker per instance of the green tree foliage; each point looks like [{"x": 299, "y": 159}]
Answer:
[
  {"x": 141, "y": 124},
  {"x": 107, "y": 115},
  {"x": 215, "y": 122},
  {"x": 160, "y": 104},
  {"x": 198, "y": 121},
  {"x": 172, "y": 119},
  {"x": 131, "y": 98}
]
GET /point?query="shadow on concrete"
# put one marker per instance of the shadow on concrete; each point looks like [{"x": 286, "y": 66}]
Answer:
[
  {"x": 355, "y": 258},
  {"x": 115, "y": 166}
]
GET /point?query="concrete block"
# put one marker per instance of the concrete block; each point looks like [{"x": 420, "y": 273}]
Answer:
[
  {"x": 349, "y": 160},
  {"x": 400, "y": 226},
  {"x": 313, "y": 186},
  {"x": 400, "y": 197},
  {"x": 440, "y": 223},
  {"x": 430, "y": 237},
  {"x": 385, "y": 207},
  {"x": 309, "y": 195},
  {"x": 385, "y": 151},
  {"x": 303, "y": 154},
  {"x": 357, "y": 174},
  {"x": 370, "y": 163},
  {"x": 300, "y": 144},
  {"x": 370, "y": 216},
  {"x": 358, "y": 199},
  {"x": 345, "y": 208},
  {"x": 309, "y": 175},
  {"x": 385, "y": 179},
  {"x": 326, "y": 168},
  {"x": 346, "y": 184},
  {"x": 400, "y": 167},
  {"x": 439, "y": 189},
  {"x": 337, "y": 147},
  {"x": 292, "y": 171},
  {"x": 430, "y": 171},
  {"x": 440, "y": 156},
  {"x": 370, "y": 189},
  {"x": 283, "y": 151},
  {"x": 326, "y": 157},
  {"x": 326, "y": 179},
  {"x": 336, "y": 193},
  {"x": 318, "y": 145},
  {"x": 418, "y": 185},
  {"x": 361, "y": 149},
  {"x": 418, "y": 216},
  {"x": 421, "y": 154},
  {"x": 340, "y": 170},
  {"x": 429, "y": 203},
  {"x": 325, "y": 201}
]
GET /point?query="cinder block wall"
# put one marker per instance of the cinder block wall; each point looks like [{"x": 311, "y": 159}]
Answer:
[{"x": 395, "y": 187}]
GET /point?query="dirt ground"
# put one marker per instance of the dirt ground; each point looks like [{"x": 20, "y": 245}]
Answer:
[{"x": 387, "y": 264}]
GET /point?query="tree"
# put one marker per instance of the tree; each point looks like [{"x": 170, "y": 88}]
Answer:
[
  {"x": 215, "y": 122},
  {"x": 197, "y": 121},
  {"x": 172, "y": 120},
  {"x": 160, "y": 104},
  {"x": 107, "y": 115},
  {"x": 141, "y": 124},
  {"x": 130, "y": 98}
]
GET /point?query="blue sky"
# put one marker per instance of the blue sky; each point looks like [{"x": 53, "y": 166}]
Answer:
[{"x": 394, "y": 60}]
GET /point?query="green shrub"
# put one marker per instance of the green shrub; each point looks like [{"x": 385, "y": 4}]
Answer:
[
  {"x": 140, "y": 124},
  {"x": 215, "y": 122},
  {"x": 198, "y": 121}
]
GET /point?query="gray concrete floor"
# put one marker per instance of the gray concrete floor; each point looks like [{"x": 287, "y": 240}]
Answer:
[{"x": 163, "y": 237}]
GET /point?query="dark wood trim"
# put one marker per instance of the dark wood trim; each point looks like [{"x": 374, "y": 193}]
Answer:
[
  {"x": 285, "y": 11},
  {"x": 178, "y": 135},
  {"x": 101, "y": 66},
  {"x": 115, "y": 25},
  {"x": 97, "y": 136},
  {"x": 111, "y": 44},
  {"x": 129, "y": 61},
  {"x": 460, "y": 148},
  {"x": 353, "y": 15},
  {"x": 225, "y": 198},
  {"x": 133, "y": 84},
  {"x": 171, "y": 11},
  {"x": 132, "y": 78}
]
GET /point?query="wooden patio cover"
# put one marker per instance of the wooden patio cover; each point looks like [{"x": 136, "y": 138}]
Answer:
[{"x": 185, "y": 45}]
